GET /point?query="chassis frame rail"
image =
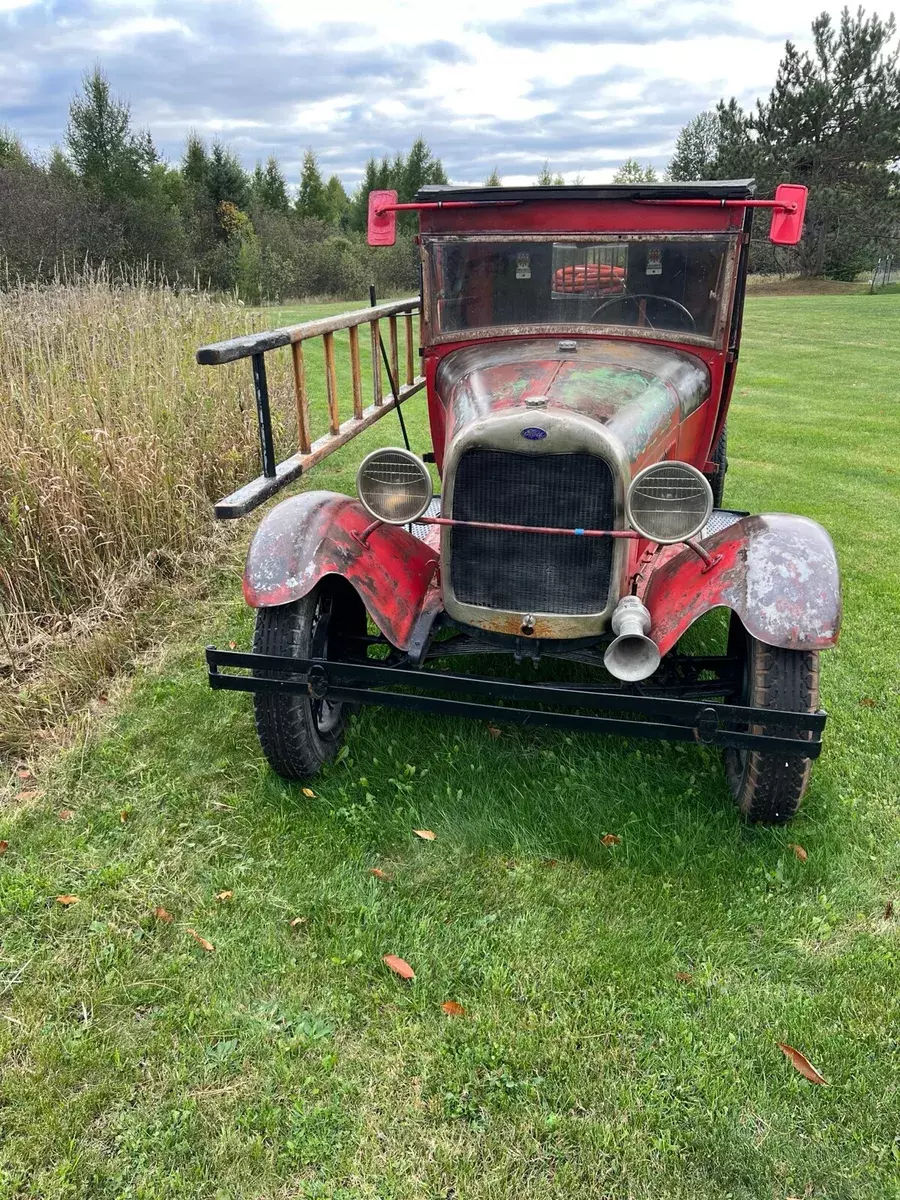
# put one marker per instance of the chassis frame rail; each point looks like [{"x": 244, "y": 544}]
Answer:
[{"x": 676, "y": 720}]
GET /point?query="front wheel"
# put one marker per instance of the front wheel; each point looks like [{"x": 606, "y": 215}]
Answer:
[
  {"x": 765, "y": 786},
  {"x": 297, "y": 732}
]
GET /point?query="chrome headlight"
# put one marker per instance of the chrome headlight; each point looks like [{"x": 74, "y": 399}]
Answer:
[
  {"x": 394, "y": 486},
  {"x": 669, "y": 502}
]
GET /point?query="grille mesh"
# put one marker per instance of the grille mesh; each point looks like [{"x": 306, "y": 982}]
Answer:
[{"x": 532, "y": 572}]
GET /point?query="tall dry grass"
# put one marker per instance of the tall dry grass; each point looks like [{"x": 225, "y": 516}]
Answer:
[{"x": 113, "y": 442}]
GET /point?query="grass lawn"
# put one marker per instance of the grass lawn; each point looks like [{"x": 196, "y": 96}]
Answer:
[{"x": 622, "y": 1003}]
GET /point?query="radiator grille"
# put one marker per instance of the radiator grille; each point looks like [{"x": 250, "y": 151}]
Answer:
[{"x": 532, "y": 572}]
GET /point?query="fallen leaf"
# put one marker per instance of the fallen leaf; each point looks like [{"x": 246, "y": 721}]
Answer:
[
  {"x": 4, "y": 846},
  {"x": 425, "y": 834},
  {"x": 801, "y": 1063},
  {"x": 224, "y": 895},
  {"x": 452, "y": 1009},
  {"x": 868, "y": 702},
  {"x": 65, "y": 814},
  {"x": 298, "y": 921},
  {"x": 103, "y": 698},
  {"x": 24, "y": 773},
  {"x": 888, "y": 908},
  {"x": 162, "y": 914},
  {"x": 493, "y": 731},
  {"x": 308, "y": 792},
  {"x": 610, "y": 839},
  {"x": 549, "y": 862},
  {"x": 398, "y": 966},
  {"x": 201, "y": 941},
  {"x": 26, "y": 797},
  {"x": 683, "y": 977},
  {"x": 123, "y": 815},
  {"x": 799, "y": 853},
  {"x": 65, "y": 900},
  {"x": 378, "y": 873},
  {"x": 232, "y": 645}
]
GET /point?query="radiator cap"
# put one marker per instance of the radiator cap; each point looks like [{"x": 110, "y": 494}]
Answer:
[{"x": 535, "y": 401}]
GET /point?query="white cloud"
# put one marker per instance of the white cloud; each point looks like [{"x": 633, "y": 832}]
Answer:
[{"x": 581, "y": 83}]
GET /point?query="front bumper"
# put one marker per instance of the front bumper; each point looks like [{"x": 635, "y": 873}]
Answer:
[{"x": 639, "y": 714}]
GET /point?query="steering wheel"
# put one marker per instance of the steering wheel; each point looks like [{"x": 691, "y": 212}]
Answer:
[{"x": 623, "y": 296}]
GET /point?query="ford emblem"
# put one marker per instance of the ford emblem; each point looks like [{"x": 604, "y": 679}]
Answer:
[{"x": 533, "y": 433}]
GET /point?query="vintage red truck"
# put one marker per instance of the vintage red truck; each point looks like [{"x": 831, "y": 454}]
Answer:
[{"x": 578, "y": 346}]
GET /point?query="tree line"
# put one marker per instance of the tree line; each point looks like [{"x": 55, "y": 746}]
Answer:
[
  {"x": 107, "y": 195},
  {"x": 831, "y": 121}
]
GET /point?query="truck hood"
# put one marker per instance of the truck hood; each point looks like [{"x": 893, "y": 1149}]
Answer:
[{"x": 639, "y": 393}]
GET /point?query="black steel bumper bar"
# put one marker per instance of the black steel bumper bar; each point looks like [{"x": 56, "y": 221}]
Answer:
[{"x": 675, "y": 720}]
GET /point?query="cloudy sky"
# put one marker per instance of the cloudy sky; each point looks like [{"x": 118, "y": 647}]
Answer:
[{"x": 582, "y": 84}]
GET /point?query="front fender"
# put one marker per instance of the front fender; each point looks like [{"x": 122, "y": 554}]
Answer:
[
  {"x": 320, "y": 533},
  {"x": 778, "y": 572}
]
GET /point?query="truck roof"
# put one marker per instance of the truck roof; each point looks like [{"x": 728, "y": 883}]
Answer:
[{"x": 712, "y": 189}]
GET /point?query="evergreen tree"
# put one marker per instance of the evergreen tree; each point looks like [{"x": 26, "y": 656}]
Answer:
[
  {"x": 274, "y": 188},
  {"x": 311, "y": 199},
  {"x": 631, "y": 171},
  {"x": 832, "y": 122},
  {"x": 12, "y": 152},
  {"x": 494, "y": 179},
  {"x": 104, "y": 151},
  {"x": 696, "y": 149},
  {"x": 546, "y": 178},
  {"x": 195, "y": 161},
  {"x": 337, "y": 202},
  {"x": 226, "y": 180},
  {"x": 359, "y": 205}
]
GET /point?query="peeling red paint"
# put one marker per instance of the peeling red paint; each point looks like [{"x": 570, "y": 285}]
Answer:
[
  {"x": 317, "y": 534},
  {"x": 778, "y": 572}
]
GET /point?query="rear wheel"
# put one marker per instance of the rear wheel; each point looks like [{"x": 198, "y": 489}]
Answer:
[
  {"x": 766, "y": 786},
  {"x": 297, "y": 732}
]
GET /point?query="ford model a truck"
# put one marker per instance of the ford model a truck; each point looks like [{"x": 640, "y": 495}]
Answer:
[{"x": 579, "y": 348}]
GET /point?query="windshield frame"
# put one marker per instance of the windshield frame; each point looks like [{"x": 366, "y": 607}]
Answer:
[{"x": 721, "y": 322}]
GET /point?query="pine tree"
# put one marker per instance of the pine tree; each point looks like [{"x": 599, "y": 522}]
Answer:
[
  {"x": 832, "y": 122},
  {"x": 494, "y": 179},
  {"x": 268, "y": 187},
  {"x": 104, "y": 151},
  {"x": 226, "y": 179},
  {"x": 311, "y": 200},
  {"x": 546, "y": 178},
  {"x": 12, "y": 151},
  {"x": 195, "y": 161}
]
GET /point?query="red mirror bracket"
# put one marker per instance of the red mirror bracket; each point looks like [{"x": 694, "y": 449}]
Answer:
[
  {"x": 787, "y": 218},
  {"x": 382, "y": 229}
]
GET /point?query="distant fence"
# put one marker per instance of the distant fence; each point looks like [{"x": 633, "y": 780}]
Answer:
[{"x": 887, "y": 270}]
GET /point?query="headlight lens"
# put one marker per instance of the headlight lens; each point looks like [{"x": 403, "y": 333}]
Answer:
[
  {"x": 394, "y": 486},
  {"x": 669, "y": 502}
]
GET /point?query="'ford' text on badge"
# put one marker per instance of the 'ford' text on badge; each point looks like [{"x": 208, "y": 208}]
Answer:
[{"x": 533, "y": 434}]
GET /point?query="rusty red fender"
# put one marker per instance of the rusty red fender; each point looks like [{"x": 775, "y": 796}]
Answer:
[
  {"x": 778, "y": 572},
  {"x": 320, "y": 533}
]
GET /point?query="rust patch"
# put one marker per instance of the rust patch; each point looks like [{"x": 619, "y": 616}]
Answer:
[
  {"x": 778, "y": 572},
  {"x": 319, "y": 533}
]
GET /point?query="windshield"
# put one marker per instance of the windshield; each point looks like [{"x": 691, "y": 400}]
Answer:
[{"x": 673, "y": 284}]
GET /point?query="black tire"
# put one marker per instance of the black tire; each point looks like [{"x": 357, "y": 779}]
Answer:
[
  {"x": 720, "y": 458},
  {"x": 297, "y": 733},
  {"x": 769, "y": 787}
]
